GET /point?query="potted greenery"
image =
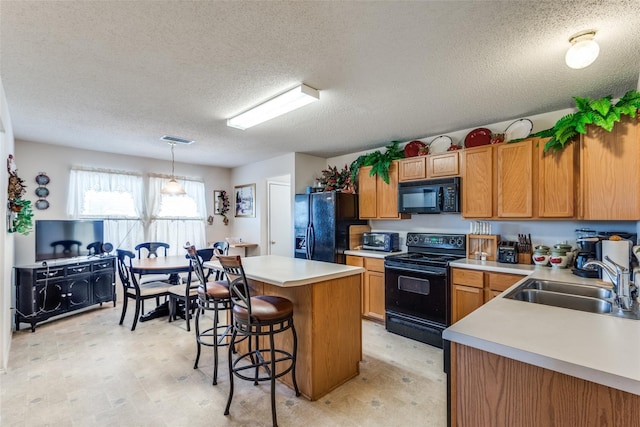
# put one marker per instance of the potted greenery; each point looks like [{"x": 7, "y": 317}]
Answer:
[
  {"x": 22, "y": 216},
  {"x": 379, "y": 162},
  {"x": 598, "y": 112},
  {"x": 334, "y": 179}
]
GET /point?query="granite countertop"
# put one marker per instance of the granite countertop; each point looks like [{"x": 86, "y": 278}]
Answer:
[
  {"x": 595, "y": 347},
  {"x": 286, "y": 272},
  {"x": 370, "y": 254}
]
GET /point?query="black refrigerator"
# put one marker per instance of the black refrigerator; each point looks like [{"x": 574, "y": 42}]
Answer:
[{"x": 321, "y": 225}]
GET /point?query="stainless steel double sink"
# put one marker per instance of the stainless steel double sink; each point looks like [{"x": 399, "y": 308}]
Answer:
[{"x": 592, "y": 299}]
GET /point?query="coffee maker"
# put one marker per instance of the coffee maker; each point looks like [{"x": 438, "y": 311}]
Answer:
[{"x": 587, "y": 241}]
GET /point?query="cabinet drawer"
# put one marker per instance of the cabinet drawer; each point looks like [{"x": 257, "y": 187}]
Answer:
[
  {"x": 374, "y": 264},
  {"x": 102, "y": 265},
  {"x": 49, "y": 273},
  {"x": 78, "y": 269},
  {"x": 356, "y": 261},
  {"x": 468, "y": 277},
  {"x": 501, "y": 281}
]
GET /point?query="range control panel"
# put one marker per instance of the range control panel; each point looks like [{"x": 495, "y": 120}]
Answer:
[{"x": 440, "y": 241}]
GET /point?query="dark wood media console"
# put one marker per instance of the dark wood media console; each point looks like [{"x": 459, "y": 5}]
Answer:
[{"x": 44, "y": 291}]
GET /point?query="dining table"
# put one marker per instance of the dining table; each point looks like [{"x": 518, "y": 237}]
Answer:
[{"x": 172, "y": 265}]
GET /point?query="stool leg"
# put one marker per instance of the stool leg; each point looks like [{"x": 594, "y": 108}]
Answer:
[
  {"x": 231, "y": 344},
  {"x": 199, "y": 311},
  {"x": 273, "y": 381},
  {"x": 295, "y": 358},
  {"x": 215, "y": 342}
]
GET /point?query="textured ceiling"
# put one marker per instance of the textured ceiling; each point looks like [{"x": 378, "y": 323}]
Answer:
[{"x": 115, "y": 76}]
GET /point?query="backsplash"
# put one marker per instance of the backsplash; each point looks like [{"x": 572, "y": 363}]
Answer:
[{"x": 542, "y": 232}]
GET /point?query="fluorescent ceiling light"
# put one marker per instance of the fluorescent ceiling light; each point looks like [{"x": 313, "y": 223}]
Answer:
[
  {"x": 281, "y": 104},
  {"x": 583, "y": 51}
]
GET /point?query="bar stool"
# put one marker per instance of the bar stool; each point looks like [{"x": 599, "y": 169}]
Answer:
[
  {"x": 213, "y": 296},
  {"x": 255, "y": 317}
]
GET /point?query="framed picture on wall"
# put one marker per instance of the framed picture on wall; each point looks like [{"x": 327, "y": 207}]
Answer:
[{"x": 245, "y": 197}]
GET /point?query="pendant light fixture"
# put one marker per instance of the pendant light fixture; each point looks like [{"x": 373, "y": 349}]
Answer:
[
  {"x": 583, "y": 51},
  {"x": 172, "y": 187}
]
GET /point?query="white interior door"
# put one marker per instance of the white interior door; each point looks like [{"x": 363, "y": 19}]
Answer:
[{"x": 280, "y": 225}]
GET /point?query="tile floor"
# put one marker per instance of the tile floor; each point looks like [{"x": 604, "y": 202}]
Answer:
[{"x": 85, "y": 370}]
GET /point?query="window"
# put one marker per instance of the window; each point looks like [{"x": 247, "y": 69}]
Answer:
[
  {"x": 177, "y": 219},
  {"x": 117, "y": 197}
]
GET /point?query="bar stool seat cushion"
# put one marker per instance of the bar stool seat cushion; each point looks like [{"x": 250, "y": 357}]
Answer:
[
  {"x": 215, "y": 290},
  {"x": 266, "y": 308}
]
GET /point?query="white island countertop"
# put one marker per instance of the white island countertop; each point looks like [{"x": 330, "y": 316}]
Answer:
[
  {"x": 284, "y": 271},
  {"x": 595, "y": 347}
]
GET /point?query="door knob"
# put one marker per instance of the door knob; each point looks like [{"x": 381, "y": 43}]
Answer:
[{"x": 273, "y": 242}]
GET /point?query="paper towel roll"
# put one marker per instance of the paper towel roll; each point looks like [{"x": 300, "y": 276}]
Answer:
[{"x": 618, "y": 251}]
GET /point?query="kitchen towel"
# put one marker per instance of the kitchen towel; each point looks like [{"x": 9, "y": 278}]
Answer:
[{"x": 618, "y": 251}]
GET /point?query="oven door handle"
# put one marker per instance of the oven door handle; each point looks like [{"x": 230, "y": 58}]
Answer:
[{"x": 413, "y": 270}]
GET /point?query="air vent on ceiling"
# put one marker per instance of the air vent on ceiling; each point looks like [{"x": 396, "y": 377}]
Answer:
[{"x": 176, "y": 140}]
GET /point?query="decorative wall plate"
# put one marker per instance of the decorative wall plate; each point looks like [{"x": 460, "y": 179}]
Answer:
[
  {"x": 477, "y": 137},
  {"x": 440, "y": 144},
  {"x": 412, "y": 148},
  {"x": 42, "y": 204},
  {"x": 521, "y": 128},
  {"x": 42, "y": 192},
  {"x": 42, "y": 179}
]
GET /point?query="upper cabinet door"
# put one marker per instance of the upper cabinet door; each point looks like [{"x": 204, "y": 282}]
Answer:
[
  {"x": 412, "y": 169},
  {"x": 477, "y": 182},
  {"x": 445, "y": 164},
  {"x": 557, "y": 179},
  {"x": 515, "y": 179},
  {"x": 367, "y": 193},
  {"x": 610, "y": 172},
  {"x": 388, "y": 194}
]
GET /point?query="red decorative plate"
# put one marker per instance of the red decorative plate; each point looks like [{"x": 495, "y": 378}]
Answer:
[
  {"x": 412, "y": 148},
  {"x": 478, "y": 137}
]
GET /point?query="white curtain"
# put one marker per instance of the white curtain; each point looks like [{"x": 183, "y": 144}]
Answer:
[
  {"x": 177, "y": 219},
  {"x": 115, "y": 196}
]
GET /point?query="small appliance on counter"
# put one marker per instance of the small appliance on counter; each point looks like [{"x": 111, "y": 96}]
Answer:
[
  {"x": 508, "y": 252},
  {"x": 381, "y": 241}
]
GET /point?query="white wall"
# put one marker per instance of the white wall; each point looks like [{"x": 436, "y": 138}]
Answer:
[
  {"x": 56, "y": 162},
  {"x": 254, "y": 230},
  {"x": 7, "y": 241}
]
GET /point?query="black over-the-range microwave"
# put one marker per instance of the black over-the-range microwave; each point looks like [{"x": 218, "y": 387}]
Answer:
[{"x": 431, "y": 196}]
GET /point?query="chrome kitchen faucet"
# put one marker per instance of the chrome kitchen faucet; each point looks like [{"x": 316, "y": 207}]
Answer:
[{"x": 620, "y": 279}]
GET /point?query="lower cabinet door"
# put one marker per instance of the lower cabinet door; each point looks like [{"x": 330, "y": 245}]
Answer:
[
  {"x": 373, "y": 295},
  {"x": 465, "y": 300},
  {"x": 78, "y": 292},
  {"x": 51, "y": 299},
  {"x": 103, "y": 290}
]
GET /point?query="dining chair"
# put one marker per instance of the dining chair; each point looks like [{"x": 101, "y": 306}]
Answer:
[
  {"x": 258, "y": 319},
  {"x": 213, "y": 297},
  {"x": 187, "y": 292},
  {"x": 152, "y": 250},
  {"x": 134, "y": 290},
  {"x": 223, "y": 247}
]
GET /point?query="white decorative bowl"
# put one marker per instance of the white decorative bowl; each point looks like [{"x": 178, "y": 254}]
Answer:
[{"x": 540, "y": 259}]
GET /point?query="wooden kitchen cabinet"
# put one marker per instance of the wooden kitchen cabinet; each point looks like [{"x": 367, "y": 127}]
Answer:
[
  {"x": 376, "y": 198},
  {"x": 477, "y": 166},
  {"x": 519, "y": 181},
  {"x": 444, "y": 164},
  {"x": 515, "y": 179},
  {"x": 412, "y": 168},
  {"x": 470, "y": 289},
  {"x": 372, "y": 305},
  {"x": 557, "y": 179},
  {"x": 430, "y": 166},
  {"x": 610, "y": 172}
]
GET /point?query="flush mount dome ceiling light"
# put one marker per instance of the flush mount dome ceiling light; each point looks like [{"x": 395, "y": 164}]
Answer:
[
  {"x": 173, "y": 187},
  {"x": 290, "y": 100},
  {"x": 583, "y": 51}
]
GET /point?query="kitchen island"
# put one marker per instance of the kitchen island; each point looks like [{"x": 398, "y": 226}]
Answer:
[
  {"x": 326, "y": 301},
  {"x": 520, "y": 363}
]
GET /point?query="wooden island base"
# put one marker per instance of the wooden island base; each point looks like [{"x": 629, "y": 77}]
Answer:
[
  {"x": 327, "y": 321},
  {"x": 492, "y": 390}
]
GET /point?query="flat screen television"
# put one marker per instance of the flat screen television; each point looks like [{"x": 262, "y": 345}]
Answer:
[{"x": 57, "y": 239}]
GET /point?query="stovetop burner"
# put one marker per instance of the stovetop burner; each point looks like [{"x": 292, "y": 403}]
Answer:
[{"x": 429, "y": 249}]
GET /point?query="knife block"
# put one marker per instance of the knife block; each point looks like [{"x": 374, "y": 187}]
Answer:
[
  {"x": 525, "y": 258},
  {"x": 487, "y": 243}
]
